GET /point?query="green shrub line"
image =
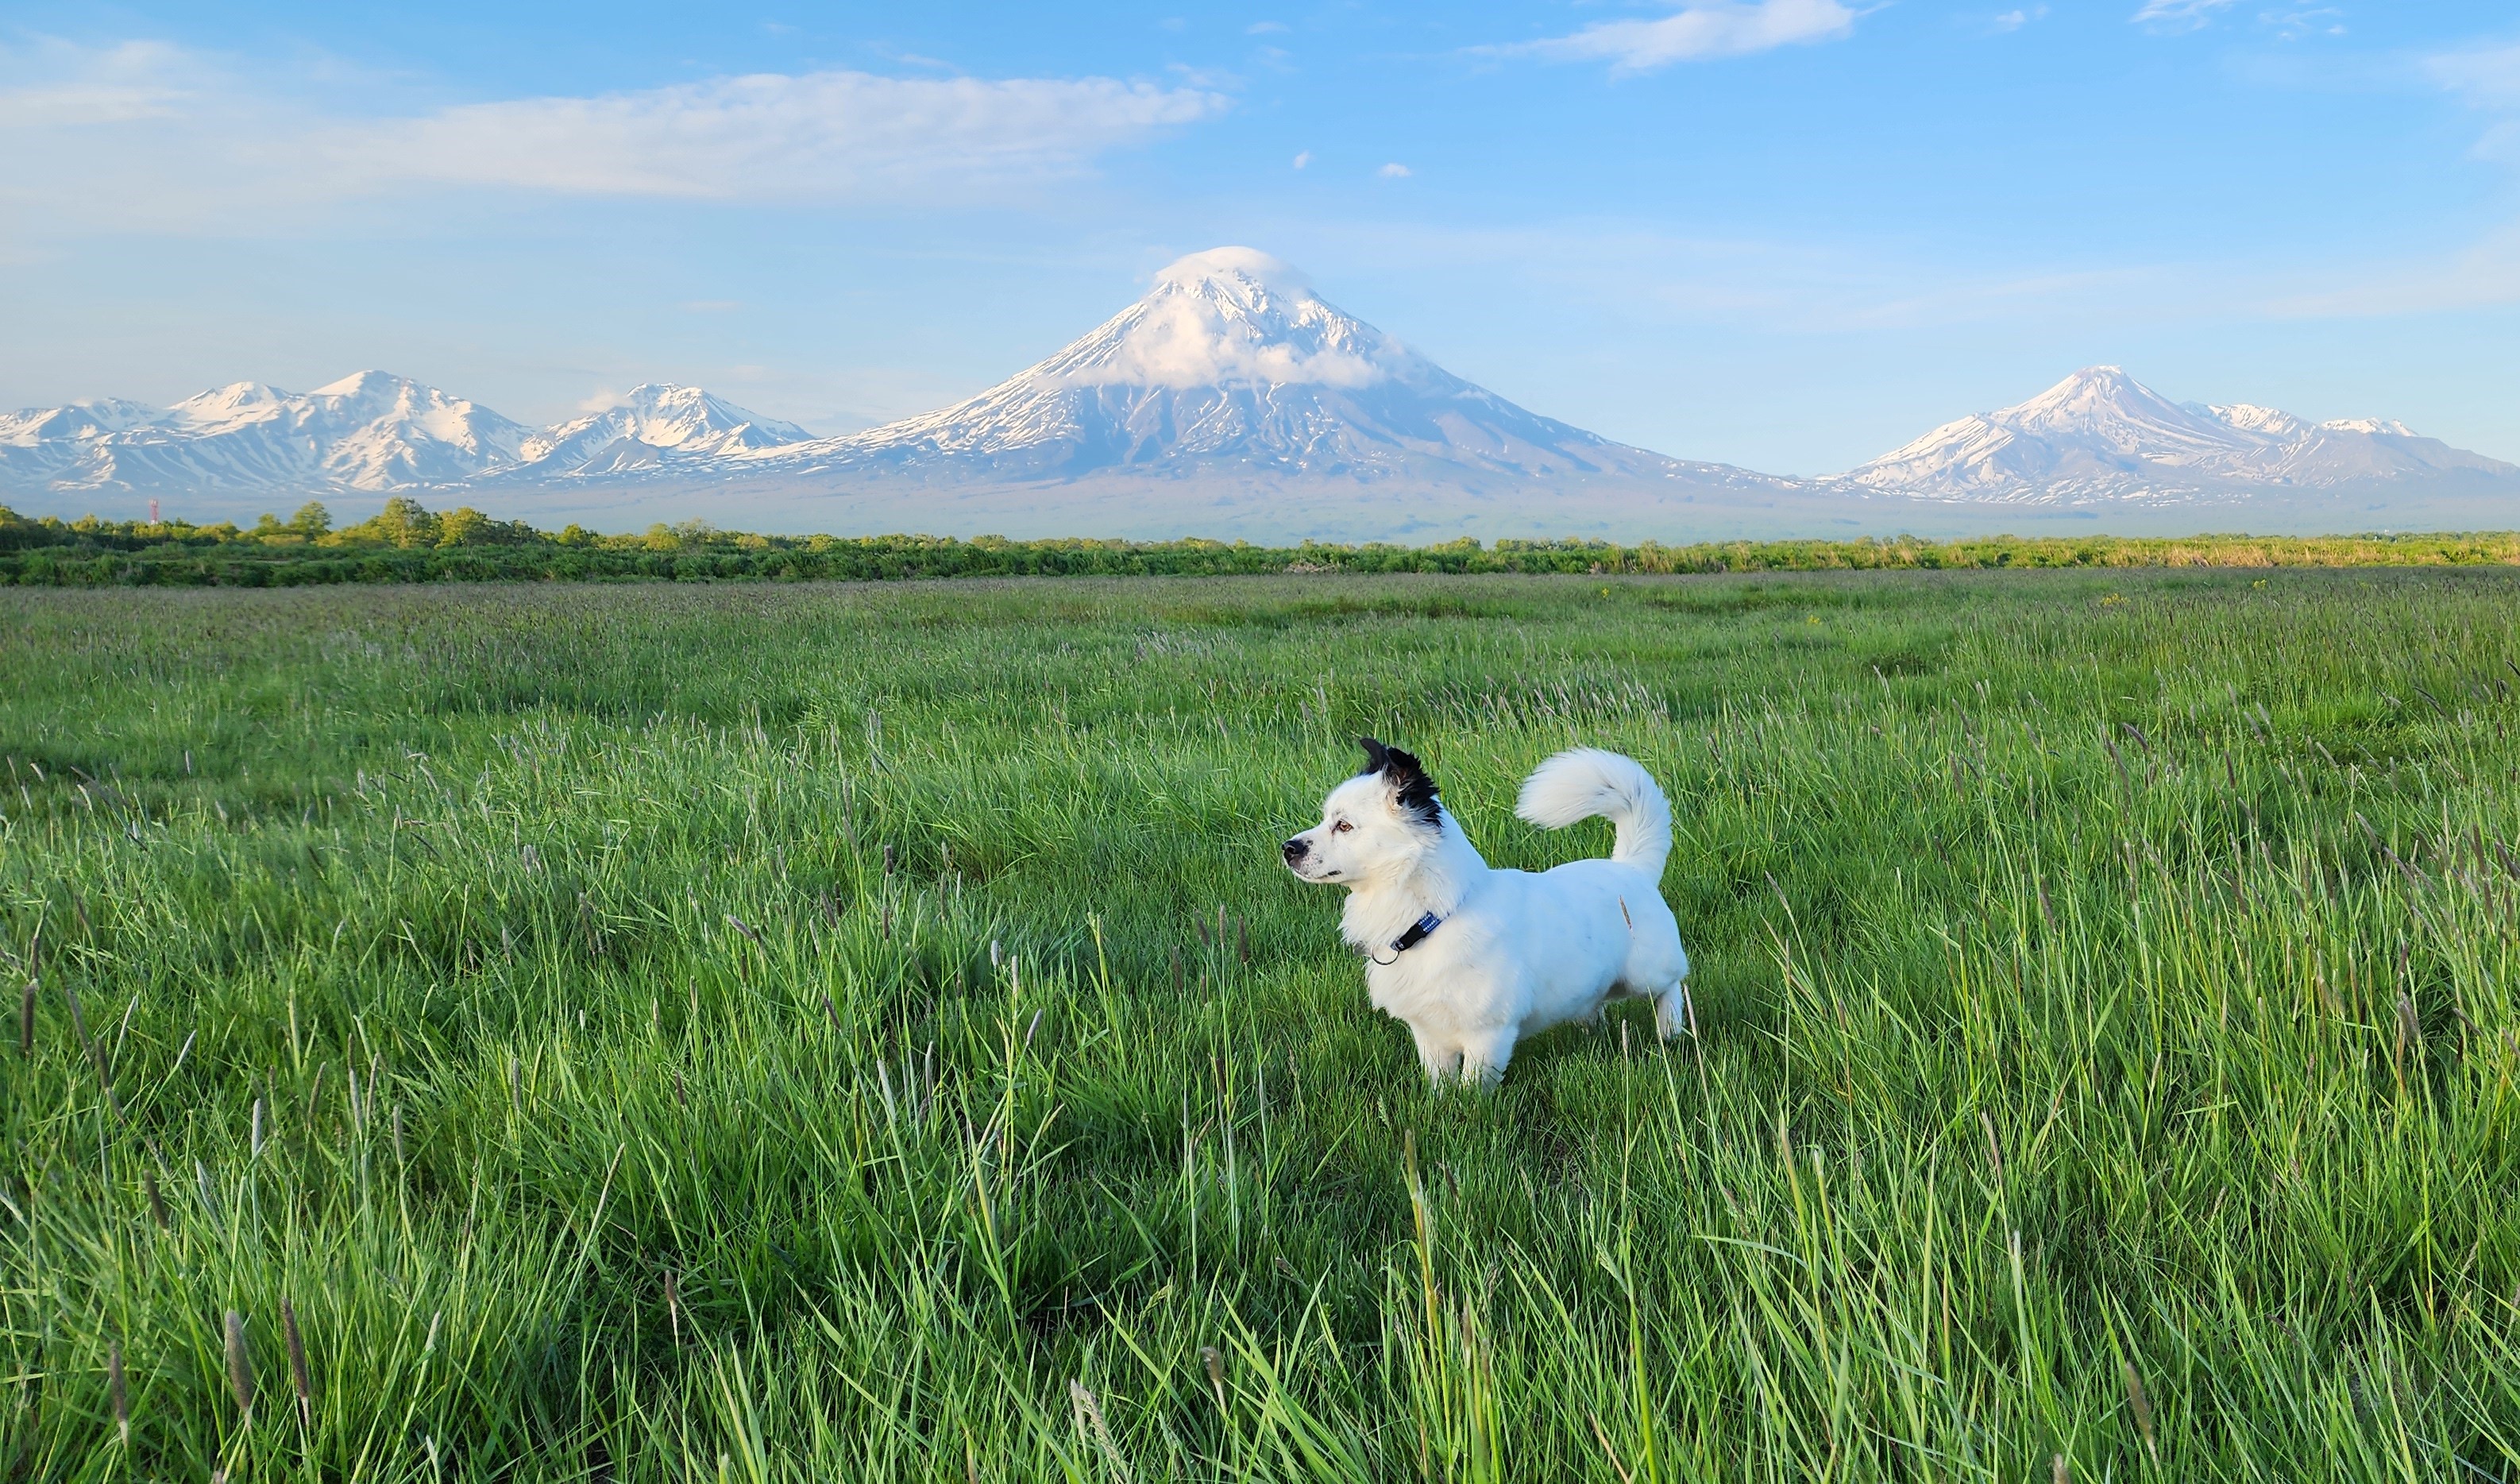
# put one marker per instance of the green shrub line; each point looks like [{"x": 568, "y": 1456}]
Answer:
[{"x": 407, "y": 543}]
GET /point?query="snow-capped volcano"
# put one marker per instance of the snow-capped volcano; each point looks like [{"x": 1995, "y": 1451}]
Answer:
[
  {"x": 2101, "y": 435},
  {"x": 1231, "y": 400},
  {"x": 1232, "y": 366}
]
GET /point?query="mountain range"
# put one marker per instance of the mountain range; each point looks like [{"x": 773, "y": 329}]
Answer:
[
  {"x": 1233, "y": 400},
  {"x": 2101, "y": 435}
]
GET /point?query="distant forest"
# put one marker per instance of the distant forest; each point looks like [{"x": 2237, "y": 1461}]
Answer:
[{"x": 406, "y": 542}]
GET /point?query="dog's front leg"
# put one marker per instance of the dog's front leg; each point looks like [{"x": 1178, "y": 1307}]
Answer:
[
  {"x": 1440, "y": 1057},
  {"x": 1484, "y": 1057}
]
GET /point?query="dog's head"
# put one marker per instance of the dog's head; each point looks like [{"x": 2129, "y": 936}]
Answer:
[{"x": 1381, "y": 819}]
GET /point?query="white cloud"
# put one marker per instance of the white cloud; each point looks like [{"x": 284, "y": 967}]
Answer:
[
  {"x": 823, "y": 136},
  {"x": 1696, "y": 32},
  {"x": 153, "y": 133},
  {"x": 1393, "y": 171},
  {"x": 121, "y": 84},
  {"x": 2483, "y": 274},
  {"x": 2489, "y": 77},
  {"x": 2476, "y": 277},
  {"x": 2013, "y": 21},
  {"x": 2178, "y": 14},
  {"x": 2303, "y": 21},
  {"x": 1265, "y": 28},
  {"x": 1303, "y": 157}
]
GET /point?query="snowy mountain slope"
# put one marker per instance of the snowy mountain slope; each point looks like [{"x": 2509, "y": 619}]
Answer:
[
  {"x": 1231, "y": 399},
  {"x": 370, "y": 432},
  {"x": 649, "y": 419},
  {"x": 37, "y": 427},
  {"x": 2101, "y": 435},
  {"x": 1230, "y": 365}
]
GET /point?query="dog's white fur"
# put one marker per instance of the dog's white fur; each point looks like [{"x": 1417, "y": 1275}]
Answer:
[{"x": 1516, "y": 953}]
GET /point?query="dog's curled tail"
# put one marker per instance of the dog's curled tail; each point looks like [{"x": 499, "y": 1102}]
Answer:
[{"x": 1583, "y": 781}]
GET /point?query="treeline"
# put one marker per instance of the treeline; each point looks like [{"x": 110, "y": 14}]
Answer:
[{"x": 406, "y": 542}]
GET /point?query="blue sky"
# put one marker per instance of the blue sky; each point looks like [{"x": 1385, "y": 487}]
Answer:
[{"x": 1787, "y": 234}]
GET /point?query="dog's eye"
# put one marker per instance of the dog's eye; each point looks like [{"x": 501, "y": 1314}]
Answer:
[{"x": 1341, "y": 828}]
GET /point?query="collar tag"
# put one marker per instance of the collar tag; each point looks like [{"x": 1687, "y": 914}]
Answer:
[
  {"x": 1416, "y": 936},
  {"x": 1416, "y": 933}
]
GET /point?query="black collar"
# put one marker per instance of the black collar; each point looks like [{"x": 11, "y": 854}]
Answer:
[{"x": 1416, "y": 936}]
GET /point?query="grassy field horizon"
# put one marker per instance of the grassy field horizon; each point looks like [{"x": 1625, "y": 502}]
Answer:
[{"x": 813, "y": 1030}]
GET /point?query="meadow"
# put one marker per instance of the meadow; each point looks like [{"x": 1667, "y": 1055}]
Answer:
[{"x": 863, "y": 1032}]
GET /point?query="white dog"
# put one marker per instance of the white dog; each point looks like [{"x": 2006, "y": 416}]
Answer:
[{"x": 1473, "y": 957}]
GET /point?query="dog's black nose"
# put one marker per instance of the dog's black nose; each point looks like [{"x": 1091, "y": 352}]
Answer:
[{"x": 1297, "y": 849}]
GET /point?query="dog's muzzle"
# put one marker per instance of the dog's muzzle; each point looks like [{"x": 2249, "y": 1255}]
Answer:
[{"x": 1297, "y": 849}]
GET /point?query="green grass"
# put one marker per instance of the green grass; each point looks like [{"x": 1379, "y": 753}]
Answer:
[{"x": 2106, "y": 999}]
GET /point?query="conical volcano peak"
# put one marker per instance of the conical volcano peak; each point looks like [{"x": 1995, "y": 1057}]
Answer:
[
  {"x": 1246, "y": 274},
  {"x": 1228, "y": 317},
  {"x": 1228, "y": 372},
  {"x": 2092, "y": 386}
]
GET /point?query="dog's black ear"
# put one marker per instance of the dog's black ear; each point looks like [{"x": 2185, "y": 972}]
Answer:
[
  {"x": 1375, "y": 753},
  {"x": 1412, "y": 790}
]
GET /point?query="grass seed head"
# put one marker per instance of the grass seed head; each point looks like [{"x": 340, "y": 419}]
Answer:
[
  {"x": 240, "y": 1367},
  {"x": 117, "y": 1392},
  {"x": 2142, "y": 1406},
  {"x": 298, "y": 1362},
  {"x": 1089, "y": 1413}
]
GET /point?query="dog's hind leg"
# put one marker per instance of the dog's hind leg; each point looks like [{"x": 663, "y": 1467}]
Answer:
[{"x": 1671, "y": 1008}]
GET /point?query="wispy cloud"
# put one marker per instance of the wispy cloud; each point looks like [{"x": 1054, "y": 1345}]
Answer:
[
  {"x": 1393, "y": 171},
  {"x": 2486, "y": 272},
  {"x": 2013, "y": 21},
  {"x": 2179, "y": 15},
  {"x": 2487, "y": 76},
  {"x": 182, "y": 130},
  {"x": 1695, "y": 32},
  {"x": 822, "y": 136},
  {"x": 2292, "y": 23},
  {"x": 2483, "y": 274},
  {"x": 72, "y": 86}
]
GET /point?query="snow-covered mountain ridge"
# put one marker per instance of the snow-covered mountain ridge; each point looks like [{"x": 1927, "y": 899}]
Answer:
[
  {"x": 370, "y": 432},
  {"x": 1231, "y": 398},
  {"x": 2101, "y": 435}
]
